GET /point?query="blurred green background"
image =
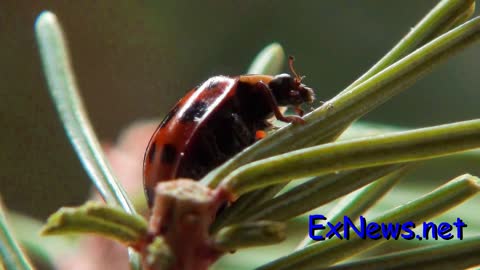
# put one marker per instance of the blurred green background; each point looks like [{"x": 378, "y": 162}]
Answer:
[{"x": 134, "y": 59}]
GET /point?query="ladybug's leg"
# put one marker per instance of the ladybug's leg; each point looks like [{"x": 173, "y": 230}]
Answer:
[
  {"x": 299, "y": 111},
  {"x": 210, "y": 147},
  {"x": 242, "y": 134},
  {"x": 265, "y": 90}
]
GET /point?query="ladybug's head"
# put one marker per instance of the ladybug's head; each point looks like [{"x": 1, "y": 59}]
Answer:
[{"x": 289, "y": 90}]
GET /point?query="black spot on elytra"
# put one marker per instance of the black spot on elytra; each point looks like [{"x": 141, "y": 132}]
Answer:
[
  {"x": 195, "y": 111},
  {"x": 169, "y": 153},
  {"x": 151, "y": 153},
  {"x": 150, "y": 196},
  {"x": 213, "y": 85},
  {"x": 169, "y": 116}
]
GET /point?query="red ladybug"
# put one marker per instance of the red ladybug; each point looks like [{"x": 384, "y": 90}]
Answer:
[{"x": 217, "y": 120}]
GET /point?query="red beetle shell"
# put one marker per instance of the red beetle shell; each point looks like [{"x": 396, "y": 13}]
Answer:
[{"x": 215, "y": 121}]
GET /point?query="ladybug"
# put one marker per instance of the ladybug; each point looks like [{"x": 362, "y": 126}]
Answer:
[{"x": 218, "y": 119}]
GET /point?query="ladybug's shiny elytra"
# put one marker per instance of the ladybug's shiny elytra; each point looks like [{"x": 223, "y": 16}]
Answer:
[{"x": 217, "y": 120}]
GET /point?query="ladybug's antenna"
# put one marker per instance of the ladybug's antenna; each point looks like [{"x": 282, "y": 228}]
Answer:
[{"x": 290, "y": 64}]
